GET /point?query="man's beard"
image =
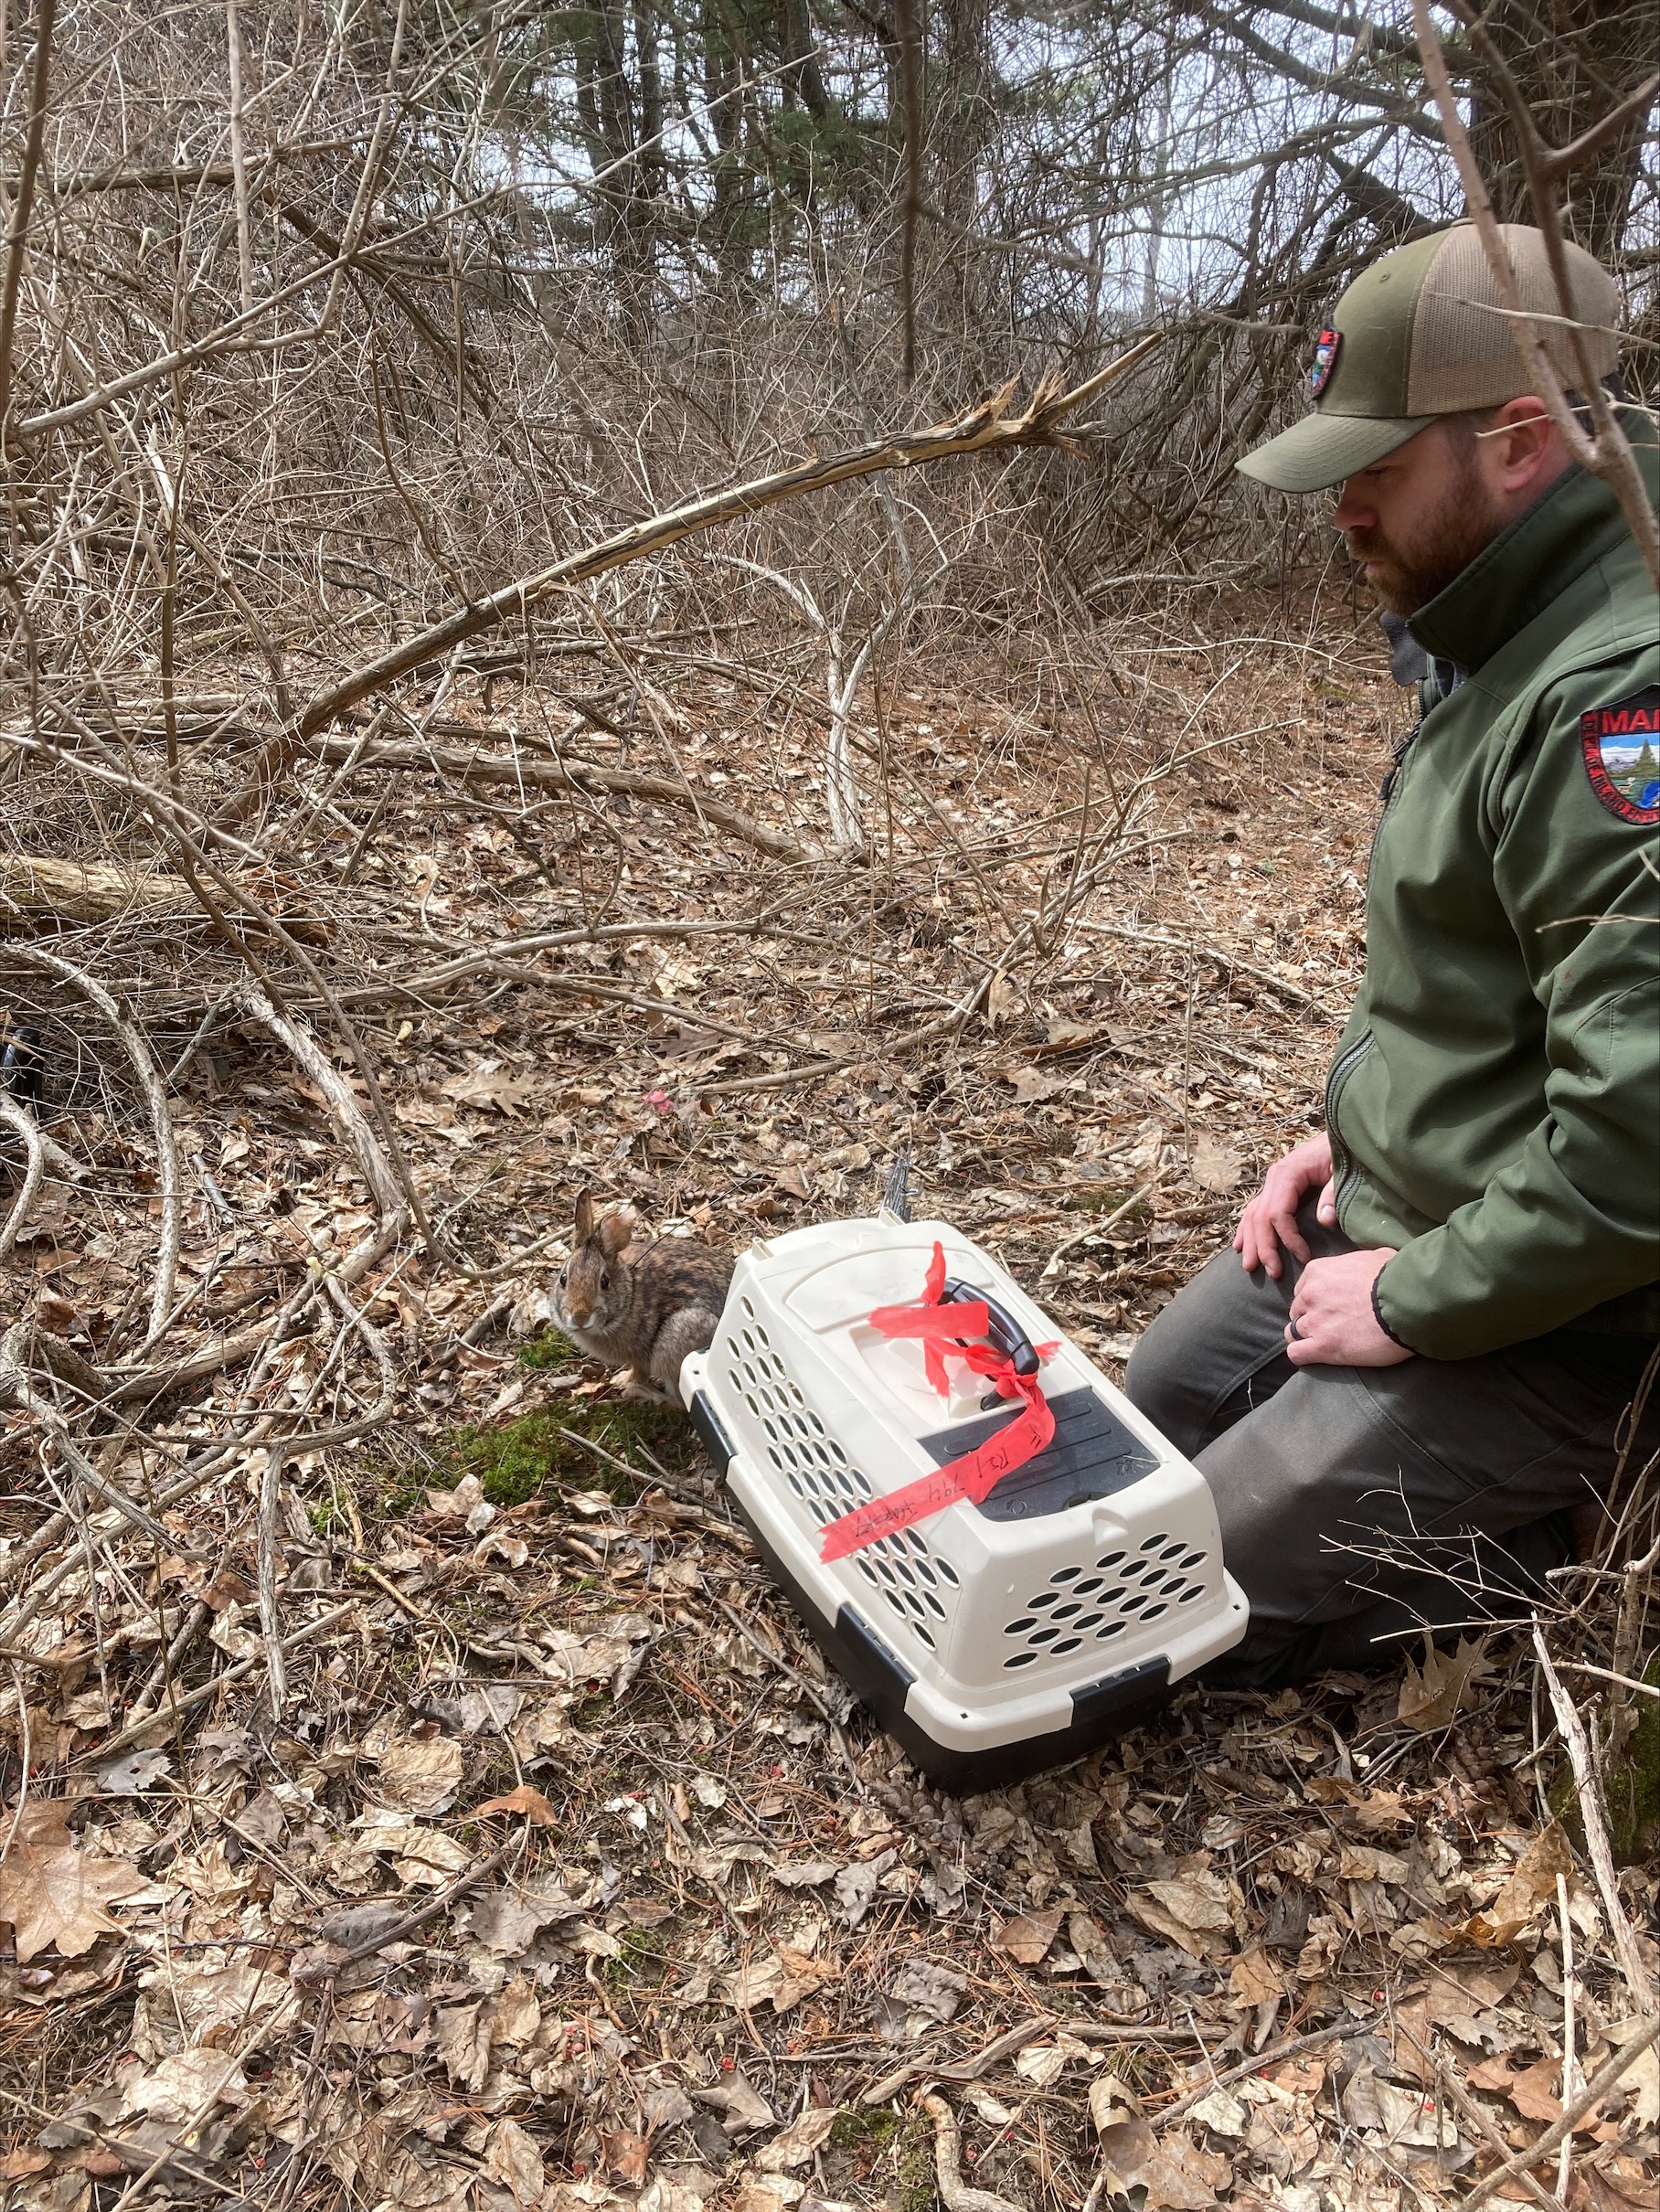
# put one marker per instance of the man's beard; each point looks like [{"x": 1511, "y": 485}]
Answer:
[{"x": 1440, "y": 542}]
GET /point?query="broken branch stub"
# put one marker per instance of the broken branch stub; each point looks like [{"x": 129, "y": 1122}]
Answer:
[{"x": 989, "y": 428}]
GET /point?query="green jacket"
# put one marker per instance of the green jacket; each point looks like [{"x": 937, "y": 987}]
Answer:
[{"x": 1494, "y": 1105}]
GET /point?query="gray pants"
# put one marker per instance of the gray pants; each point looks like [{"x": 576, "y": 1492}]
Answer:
[{"x": 1363, "y": 1504}]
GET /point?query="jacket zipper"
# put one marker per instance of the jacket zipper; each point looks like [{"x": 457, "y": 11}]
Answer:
[{"x": 1343, "y": 1171}]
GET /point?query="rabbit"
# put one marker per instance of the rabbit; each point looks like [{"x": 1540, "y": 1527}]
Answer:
[{"x": 641, "y": 1309}]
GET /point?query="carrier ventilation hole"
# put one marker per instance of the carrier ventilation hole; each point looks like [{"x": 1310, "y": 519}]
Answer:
[
  {"x": 1122, "y": 1590},
  {"x": 915, "y": 1584}
]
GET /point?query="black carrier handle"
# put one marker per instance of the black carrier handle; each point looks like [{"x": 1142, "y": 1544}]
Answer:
[{"x": 1003, "y": 1329}]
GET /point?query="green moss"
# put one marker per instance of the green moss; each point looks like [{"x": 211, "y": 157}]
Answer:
[
  {"x": 914, "y": 2165},
  {"x": 878, "y": 2147},
  {"x": 1631, "y": 1787},
  {"x": 1632, "y": 1783},
  {"x": 859, "y": 2129},
  {"x": 514, "y": 1460},
  {"x": 548, "y": 1350},
  {"x": 1101, "y": 1199},
  {"x": 638, "y": 1961}
]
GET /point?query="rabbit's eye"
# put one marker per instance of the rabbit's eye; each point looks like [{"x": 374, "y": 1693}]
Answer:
[
  {"x": 564, "y": 1277},
  {"x": 604, "y": 1281}
]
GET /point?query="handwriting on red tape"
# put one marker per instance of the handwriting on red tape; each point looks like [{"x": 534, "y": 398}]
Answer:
[{"x": 975, "y": 1473}]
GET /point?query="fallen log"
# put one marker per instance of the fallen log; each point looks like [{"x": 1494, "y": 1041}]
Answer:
[
  {"x": 42, "y": 887},
  {"x": 83, "y": 890}
]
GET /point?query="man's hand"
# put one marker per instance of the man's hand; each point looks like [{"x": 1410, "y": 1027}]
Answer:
[
  {"x": 1271, "y": 1219},
  {"x": 1332, "y": 1323}
]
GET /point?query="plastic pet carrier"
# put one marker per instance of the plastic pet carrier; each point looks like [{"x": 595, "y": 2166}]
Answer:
[{"x": 1003, "y": 1558}]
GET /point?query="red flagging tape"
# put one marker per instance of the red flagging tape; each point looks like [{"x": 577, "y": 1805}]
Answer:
[{"x": 976, "y": 1472}]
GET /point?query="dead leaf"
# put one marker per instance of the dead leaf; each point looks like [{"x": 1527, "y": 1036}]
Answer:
[
  {"x": 1361, "y": 1863},
  {"x": 1064, "y": 1035},
  {"x": 1537, "y": 2093},
  {"x": 1433, "y": 1695},
  {"x": 132, "y": 1776},
  {"x": 514, "y": 2158},
  {"x": 744, "y": 2107},
  {"x": 1222, "y": 2112},
  {"x": 181, "y": 2087},
  {"x": 461, "y": 2036},
  {"x": 1028, "y": 1938},
  {"x": 1530, "y": 1884},
  {"x": 1178, "y": 2176},
  {"x": 421, "y": 1856},
  {"x": 1195, "y": 1909},
  {"x": 927, "y": 1991},
  {"x": 625, "y": 2153},
  {"x": 1112, "y": 2102},
  {"x": 768, "y": 2193},
  {"x": 800, "y": 2140},
  {"x": 419, "y": 1775},
  {"x": 502, "y": 1094},
  {"x": 1032, "y": 1084},
  {"x": 781, "y": 1979},
  {"x": 1214, "y": 1168},
  {"x": 1255, "y": 1978},
  {"x": 803, "y": 1873},
  {"x": 515, "y": 2014},
  {"x": 524, "y": 1800},
  {"x": 53, "y": 1894},
  {"x": 467, "y": 1503},
  {"x": 1001, "y": 1000}
]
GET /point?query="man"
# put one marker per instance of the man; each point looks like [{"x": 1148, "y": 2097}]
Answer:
[{"x": 1442, "y": 1305}]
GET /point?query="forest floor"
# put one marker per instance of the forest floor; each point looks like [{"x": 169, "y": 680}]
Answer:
[{"x": 562, "y": 1873}]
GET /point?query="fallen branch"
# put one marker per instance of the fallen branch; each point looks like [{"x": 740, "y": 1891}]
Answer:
[
  {"x": 22, "y": 1347},
  {"x": 1449, "y": 2087},
  {"x": 168, "y": 1715},
  {"x": 529, "y": 768},
  {"x": 1607, "y": 2077},
  {"x": 1590, "y": 1797},
  {"x": 19, "y": 1117},
  {"x": 954, "y": 2193},
  {"x": 986, "y": 428},
  {"x": 166, "y": 1152},
  {"x": 349, "y": 1116},
  {"x": 1292, "y": 2046},
  {"x": 1225, "y": 964},
  {"x": 93, "y": 891}
]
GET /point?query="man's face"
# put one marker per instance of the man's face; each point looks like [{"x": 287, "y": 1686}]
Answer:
[{"x": 1419, "y": 515}]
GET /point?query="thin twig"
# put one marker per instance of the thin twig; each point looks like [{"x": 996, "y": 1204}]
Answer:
[
  {"x": 1589, "y": 1794},
  {"x": 1607, "y": 2077}
]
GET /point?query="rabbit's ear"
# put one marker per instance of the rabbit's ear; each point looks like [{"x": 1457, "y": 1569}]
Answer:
[
  {"x": 585, "y": 1217},
  {"x": 615, "y": 1233}
]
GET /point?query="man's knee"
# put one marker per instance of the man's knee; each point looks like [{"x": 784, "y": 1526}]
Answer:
[
  {"x": 1158, "y": 1380},
  {"x": 1214, "y": 1352}
]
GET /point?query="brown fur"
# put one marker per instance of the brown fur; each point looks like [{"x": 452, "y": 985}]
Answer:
[{"x": 643, "y": 1307}]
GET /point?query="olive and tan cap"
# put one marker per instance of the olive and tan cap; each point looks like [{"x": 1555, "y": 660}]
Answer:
[{"x": 1418, "y": 336}]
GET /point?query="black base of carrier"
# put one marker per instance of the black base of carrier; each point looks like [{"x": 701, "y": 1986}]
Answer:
[{"x": 1100, "y": 1712}]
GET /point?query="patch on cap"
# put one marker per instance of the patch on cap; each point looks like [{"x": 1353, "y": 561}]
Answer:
[
  {"x": 1621, "y": 747},
  {"x": 1325, "y": 359}
]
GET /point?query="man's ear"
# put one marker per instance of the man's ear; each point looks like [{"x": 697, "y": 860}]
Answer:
[{"x": 1526, "y": 447}]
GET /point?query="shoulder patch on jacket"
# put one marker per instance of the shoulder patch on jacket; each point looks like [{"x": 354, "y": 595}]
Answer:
[{"x": 1621, "y": 747}]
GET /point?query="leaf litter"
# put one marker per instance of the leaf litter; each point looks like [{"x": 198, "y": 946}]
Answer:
[{"x": 543, "y": 1886}]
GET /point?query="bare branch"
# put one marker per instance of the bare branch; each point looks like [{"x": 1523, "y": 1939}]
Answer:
[{"x": 986, "y": 428}]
